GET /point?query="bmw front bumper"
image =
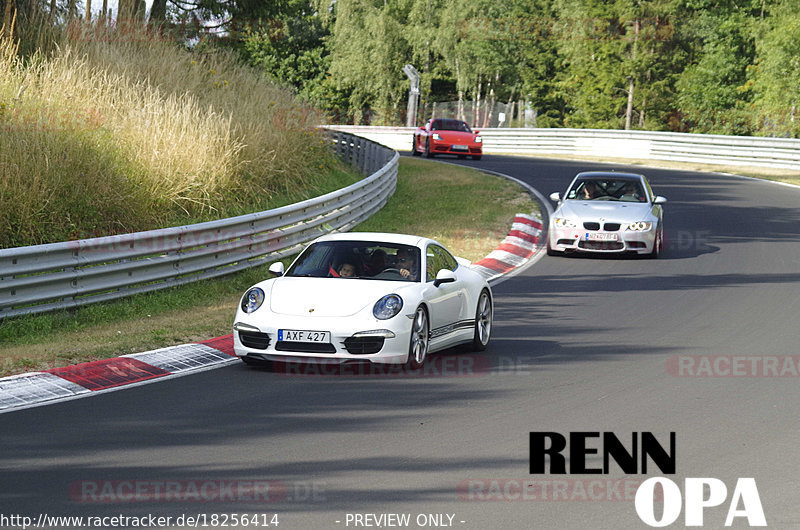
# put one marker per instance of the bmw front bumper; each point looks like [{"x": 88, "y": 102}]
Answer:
[{"x": 620, "y": 241}]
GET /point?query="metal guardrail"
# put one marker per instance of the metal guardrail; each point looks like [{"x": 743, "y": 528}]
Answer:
[
  {"x": 745, "y": 151},
  {"x": 678, "y": 147},
  {"x": 42, "y": 278}
]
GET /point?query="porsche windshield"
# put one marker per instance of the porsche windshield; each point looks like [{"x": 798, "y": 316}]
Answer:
[
  {"x": 607, "y": 189},
  {"x": 358, "y": 259},
  {"x": 450, "y": 125}
]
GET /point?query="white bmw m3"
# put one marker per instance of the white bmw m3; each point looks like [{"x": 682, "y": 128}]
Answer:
[
  {"x": 354, "y": 297},
  {"x": 608, "y": 212}
]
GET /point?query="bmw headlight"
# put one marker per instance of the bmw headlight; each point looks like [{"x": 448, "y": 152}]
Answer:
[
  {"x": 252, "y": 300},
  {"x": 387, "y": 307},
  {"x": 478, "y": 140},
  {"x": 641, "y": 226},
  {"x": 563, "y": 222},
  {"x": 437, "y": 137}
]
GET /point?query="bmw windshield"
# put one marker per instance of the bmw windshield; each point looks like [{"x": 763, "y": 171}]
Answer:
[{"x": 607, "y": 189}]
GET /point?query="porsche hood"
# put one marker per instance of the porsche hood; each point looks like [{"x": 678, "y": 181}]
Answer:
[
  {"x": 457, "y": 137},
  {"x": 327, "y": 297}
]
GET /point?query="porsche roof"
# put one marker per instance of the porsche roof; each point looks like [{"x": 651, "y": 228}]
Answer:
[
  {"x": 403, "y": 239},
  {"x": 608, "y": 174}
]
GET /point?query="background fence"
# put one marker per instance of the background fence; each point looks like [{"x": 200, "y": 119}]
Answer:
[
  {"x": 679, "y": 147},
  {"x": 61, "y": 275}
]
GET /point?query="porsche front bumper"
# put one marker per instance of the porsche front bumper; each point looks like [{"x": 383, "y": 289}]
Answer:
[{"x": 376, "y": 341}]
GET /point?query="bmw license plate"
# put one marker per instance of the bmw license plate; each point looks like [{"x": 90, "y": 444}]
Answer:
[
  {"x": 600, "y": 236},
  {"x": 296, "y": 335},
  {"x": 460, "y": 148}
]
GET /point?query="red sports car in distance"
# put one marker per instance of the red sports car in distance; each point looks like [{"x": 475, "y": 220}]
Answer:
[{"x": 445, "y": 136}]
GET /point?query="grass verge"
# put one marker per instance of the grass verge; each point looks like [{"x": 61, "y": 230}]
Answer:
[
  {"x": 105, "y": 133},
  {"x": 434, "y": 200}
]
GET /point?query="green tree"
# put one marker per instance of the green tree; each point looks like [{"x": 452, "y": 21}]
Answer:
[
  {"x": 719, "y": 37},
  {"x": 531, "y": 25},
  {"x": 291, "y": 49},
  {"x": 774, "y": 79},
  {"x": 476, "y": 49},
  {"x": 616, "y": 61},
  {"x": 652, "y": 59},
  {"x": 368, "y": 50},
  {"x": 423, "y": 26}
]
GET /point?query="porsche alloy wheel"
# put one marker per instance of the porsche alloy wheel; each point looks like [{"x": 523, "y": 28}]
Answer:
[
  {"x": 418, "y": 346},
  {"x": 483, "y": 322},
  {"x": 428, "y": 153}
]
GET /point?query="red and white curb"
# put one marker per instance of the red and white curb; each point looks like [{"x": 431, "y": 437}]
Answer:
[
  {"x": 80, "y": 380},
  {"x": 515, "y": 250},
  {"x": 70, "y": 382}
]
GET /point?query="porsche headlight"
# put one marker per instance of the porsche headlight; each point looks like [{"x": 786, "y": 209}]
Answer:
[
  {"x": 437, "y": 137},
  {"x": 252, "y": 300},
  {"x": 563, "y": 222},
  {"x": 387, "y": 307},
  {"x": 641, "y": 226},
  {"x": 478, "y": 140}
]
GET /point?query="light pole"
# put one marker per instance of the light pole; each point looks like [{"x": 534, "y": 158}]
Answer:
[{"x": 413, "y": 95}]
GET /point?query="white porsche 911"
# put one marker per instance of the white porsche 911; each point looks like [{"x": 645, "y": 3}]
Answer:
[
  {"x": 383, "y": 298},
  {"x": 607, "y": 211}
]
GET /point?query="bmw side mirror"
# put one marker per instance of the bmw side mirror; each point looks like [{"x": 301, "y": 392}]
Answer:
[
  {"x": 444, "y": 276},
  {"x": 555, "y": 196},
  {"x": 659, "y": 200},
  {"x": 276, "y": 269}
]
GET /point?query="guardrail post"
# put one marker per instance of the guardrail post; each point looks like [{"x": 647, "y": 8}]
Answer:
[{"x": 360, "y": 147}]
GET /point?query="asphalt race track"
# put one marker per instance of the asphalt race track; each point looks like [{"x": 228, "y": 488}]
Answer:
[{"x": 580, "y": 344}]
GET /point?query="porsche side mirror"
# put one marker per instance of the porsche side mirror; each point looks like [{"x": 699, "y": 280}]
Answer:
[
  {"x": 659, "y": 200},
  {"x": 476, "y": 132},
  {"x": 444, "y": 276},
  {"x": 555, "y": 196},
  {"x": 276, "y": 269}
]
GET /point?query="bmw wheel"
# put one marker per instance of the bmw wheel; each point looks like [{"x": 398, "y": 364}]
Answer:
[
  {"x": 418, "y": 346},
  {"x": 483, "y": 322},
  {"x": 658, "y": 244}
]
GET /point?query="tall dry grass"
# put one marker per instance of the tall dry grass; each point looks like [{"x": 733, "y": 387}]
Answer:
[{"x": 111, "y": 132}]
